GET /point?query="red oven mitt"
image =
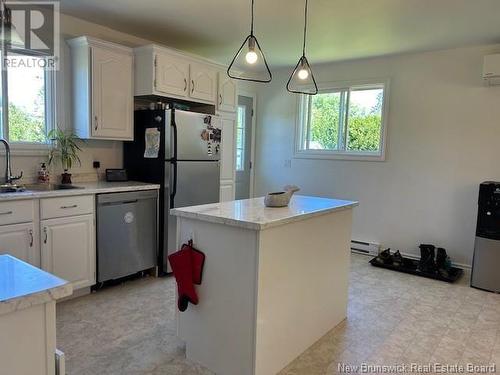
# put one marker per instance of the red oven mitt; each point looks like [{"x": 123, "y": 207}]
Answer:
[
  {"x": 197, "y": 262},
  {"x": 182, "y": 267}
]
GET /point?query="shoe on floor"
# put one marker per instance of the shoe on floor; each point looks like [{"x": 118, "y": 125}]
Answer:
[{"x": 384, "y": 257}]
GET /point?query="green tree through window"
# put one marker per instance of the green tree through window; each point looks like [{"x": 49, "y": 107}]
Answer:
[{"x": 345, "y": 120}]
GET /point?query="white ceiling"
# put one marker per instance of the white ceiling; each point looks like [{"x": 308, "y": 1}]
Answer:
[{"x": 339, "y": 29}]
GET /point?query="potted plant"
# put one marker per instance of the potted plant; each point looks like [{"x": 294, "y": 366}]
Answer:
[{"x": 64, "y": 148}]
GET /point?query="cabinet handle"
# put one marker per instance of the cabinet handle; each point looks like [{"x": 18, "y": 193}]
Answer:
[
  {"x": 192, "y": 86},
  {"x": 185, "y": 84},
  {"x": 31, "y": 237},
  {"x": 220, "y": 99},
  {"x": 6, "y": 213},
  {"x": 96, "y": 122},
  {"x": 66, "y": 207},
  {"x": 45, "y": 232}
]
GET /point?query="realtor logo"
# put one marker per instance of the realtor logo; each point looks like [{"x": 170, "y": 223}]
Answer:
[{"x": 30, "y": 34}]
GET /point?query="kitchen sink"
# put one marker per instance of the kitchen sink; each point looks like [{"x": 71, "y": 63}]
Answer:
[
  {"x": 50, "y": 187},
  {"x": 10, "y": 188}
]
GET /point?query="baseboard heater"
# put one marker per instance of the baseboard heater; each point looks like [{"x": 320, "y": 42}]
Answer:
[{"x": 367, "y": 248}]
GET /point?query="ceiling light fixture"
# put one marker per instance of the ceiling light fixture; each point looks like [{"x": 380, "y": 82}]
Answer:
[
  {"x": 249, "y": 63},
  {"x": 302, "y": 79}
]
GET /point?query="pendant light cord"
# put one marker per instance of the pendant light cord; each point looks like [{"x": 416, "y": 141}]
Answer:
[
  {"x": 251, "y": 25},
  {"x": 305, "y": 31}
]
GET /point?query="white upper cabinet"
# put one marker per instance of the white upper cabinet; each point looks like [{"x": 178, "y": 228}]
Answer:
[
  {"x": 203, "y": 82},
  {"x": 164, "y": 72},
  {"x": 103, "y": 101},
  {"x": 171, "y": 75},
  {"x": 227, "y": 98}
]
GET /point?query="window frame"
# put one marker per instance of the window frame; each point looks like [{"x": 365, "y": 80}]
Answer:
[
  {"x": 243, "y": 128},
  {"x": 303, "y": 115},
  {"x": 29, "y": 148}
]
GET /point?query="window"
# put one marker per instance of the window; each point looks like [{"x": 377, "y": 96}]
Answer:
[
  {"x": 26, "y": 103},
  {"x": 343, "y": 122},
  {"x": 240, "y": 139}
]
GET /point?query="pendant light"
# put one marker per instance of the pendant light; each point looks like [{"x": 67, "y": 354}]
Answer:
[
  {"x": 249, "y": 63},
  {"x": 302, "y": 79}
]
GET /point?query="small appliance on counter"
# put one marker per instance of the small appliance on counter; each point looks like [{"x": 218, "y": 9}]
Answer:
[
  {"x": 116, "y": 175},
  {"x": 486, "y": 262}
]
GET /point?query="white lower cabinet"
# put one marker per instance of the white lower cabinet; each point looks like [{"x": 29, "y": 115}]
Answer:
[
  {"x": 68, "y": 249},
  {"x": 18, "y": 240}
]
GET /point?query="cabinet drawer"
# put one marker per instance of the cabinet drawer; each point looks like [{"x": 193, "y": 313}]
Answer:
[
  {"x": 66, "y": 206},
  {"x": 13, "y": 212}
]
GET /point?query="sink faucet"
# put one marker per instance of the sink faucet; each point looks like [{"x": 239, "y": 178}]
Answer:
[{"x": 8, "y": 172}]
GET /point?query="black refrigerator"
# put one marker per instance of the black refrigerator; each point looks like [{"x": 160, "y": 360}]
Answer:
[{"x": 179, "y": 150}]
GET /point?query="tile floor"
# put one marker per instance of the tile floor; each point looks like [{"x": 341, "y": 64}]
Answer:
[{"x": 392, "y": 319}]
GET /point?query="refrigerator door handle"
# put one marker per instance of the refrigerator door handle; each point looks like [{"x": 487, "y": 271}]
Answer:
[
  {"x": 174, "y": 141},
  {"x": 173, "y": 186}
]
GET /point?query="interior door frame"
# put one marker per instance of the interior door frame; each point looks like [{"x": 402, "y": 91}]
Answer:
[{"x": 253, "y": 95}]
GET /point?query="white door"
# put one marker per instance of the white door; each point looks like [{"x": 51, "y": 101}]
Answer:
[
  {"x": 227, "y": 100},
  {"x": 112, "y": 94},
  {"x": 68, "y": 249},
  {"x": 243, "y": 147},
  {"x": 171, "y": 75},
  {"x": 18, "y": 240},
  {"x": 203, "y": 83}
]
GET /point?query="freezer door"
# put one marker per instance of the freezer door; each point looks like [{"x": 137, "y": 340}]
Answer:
[
  {"x": 191, "y": 128},
  {"x": 485, "y": 265}
]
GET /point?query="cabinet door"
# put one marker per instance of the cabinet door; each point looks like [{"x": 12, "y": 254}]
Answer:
[
  {"x": 203, "y": 83},
  {"x": 18, "y": 240},
  {"x": 226, "y": 192},
  {"x": 112, "y": 94},
  {"x": 227, "y": 100},
  {"x": 227, "y": 169},
  {"x": 171, "y": 75},
  {"x": 68, "y": 249}
]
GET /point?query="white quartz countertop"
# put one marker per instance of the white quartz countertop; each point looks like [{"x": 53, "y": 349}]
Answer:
[
  {"x": 22, "y": 285},
  {"x": 97, "y": 187},
  {"x": 253, "y": 214}
]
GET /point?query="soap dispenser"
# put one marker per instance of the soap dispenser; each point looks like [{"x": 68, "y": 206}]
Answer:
[{"x": 43, "y": 174}]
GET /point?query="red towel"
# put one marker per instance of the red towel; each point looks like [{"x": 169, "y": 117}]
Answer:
[{"x": 187, "y": 265}]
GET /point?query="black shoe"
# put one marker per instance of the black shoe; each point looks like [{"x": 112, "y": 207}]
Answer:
[
  {"x": 427, "y": 263},
  {"x": 397, "y": 259},
  {"x": 384, "y": 257},
  {"x": 442, "y": 262}
]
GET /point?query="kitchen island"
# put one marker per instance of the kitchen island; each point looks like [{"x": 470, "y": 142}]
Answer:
[
  {"x": 275, "y": 280},
  {"x": 28, "y": 317}
]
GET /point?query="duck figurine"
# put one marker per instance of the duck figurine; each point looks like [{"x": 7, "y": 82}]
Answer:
[{"x": 280, "y": 198}]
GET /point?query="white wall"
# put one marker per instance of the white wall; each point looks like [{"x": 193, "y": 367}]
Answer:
[
  {"x": 109, "y": 153},
  {"x": 443, "y": 140}
]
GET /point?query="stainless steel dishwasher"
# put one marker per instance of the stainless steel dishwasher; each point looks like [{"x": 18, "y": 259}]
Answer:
[{"x": 126, "y": 233}]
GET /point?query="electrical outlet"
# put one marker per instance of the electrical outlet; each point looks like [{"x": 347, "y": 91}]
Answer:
[{"x": 288, "y": 163}]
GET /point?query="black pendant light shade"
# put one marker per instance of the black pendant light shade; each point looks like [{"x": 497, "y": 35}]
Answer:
[
  {"x": 302, "y": 79},
  {"x": 249, "y": 63}
]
